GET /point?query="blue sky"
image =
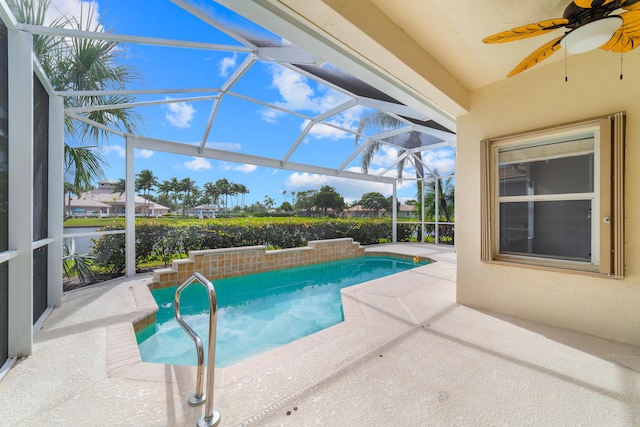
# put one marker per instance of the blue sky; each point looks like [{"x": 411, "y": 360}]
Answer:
[{"x": 240, "y": 125}]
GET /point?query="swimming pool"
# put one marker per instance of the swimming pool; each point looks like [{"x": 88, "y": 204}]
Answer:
[{"x": 259, "y": 312}]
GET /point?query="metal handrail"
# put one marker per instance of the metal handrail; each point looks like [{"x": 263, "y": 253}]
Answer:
[{"x": 210, "y": 417}]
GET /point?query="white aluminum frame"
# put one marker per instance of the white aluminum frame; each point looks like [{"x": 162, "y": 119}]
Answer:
[{"x": 416, "y": 108}]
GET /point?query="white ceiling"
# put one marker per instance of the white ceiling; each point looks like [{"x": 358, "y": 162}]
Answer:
[{"x": 452, "y": 32}]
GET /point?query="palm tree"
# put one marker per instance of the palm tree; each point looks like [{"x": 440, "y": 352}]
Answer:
[
  {"x": 224, "y": 189},
  {"x": 71, "y": 190},
  {"x": 75, "y": 264},
  {"x": 120, "y": 186},
  {"x": 187, "y": 185},
  {"x": 268, "y": 202},
  {"x": 242, "y": 189},
  {"x": 380, "y": 120},
  {"x": 82, "y": 166},
  {"x": 236, "y": 190},
  {"x": 211, "y": 192},
  {"x": 114, "y": 199},
  {"x": 445, "y": 196},
  {"x": 89, "y": 64},
  {"x": 81, "y": 64},
  {"x": 145, "y": 181},
  {"x": 175, "y": 187},
  {"x": 164, "y": 188}
]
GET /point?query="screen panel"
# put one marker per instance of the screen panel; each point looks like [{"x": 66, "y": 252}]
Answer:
[
  {"x": 40, "y": 160},
  {"x": 40, "y": 270}
]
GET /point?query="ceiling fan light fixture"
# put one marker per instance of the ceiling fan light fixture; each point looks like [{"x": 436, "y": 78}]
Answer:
[{"x": 591, "y": 36}]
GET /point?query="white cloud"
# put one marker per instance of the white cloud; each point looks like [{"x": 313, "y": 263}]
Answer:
[
  {"x": 443, "y": 160},
  {"x": 391, "y": 173},
  {"x": 349, "y": 189},
  {"x": 121, "y": 152},
  {"x": 108, "y": 149},
  {"x": 143, "y": 153},
  {"x": 385, "y": 156},
  {"x": 297, "y": 94},
  {"x": 271, "y": 115},
  {"x": 73, "y": 8},
  {"x": 180, "y": 114},
  {"x": 322, "y": 131},
  {"x": 306, "y": 181},
  {"x": 198, "y": 163},
  {"x": 245, "y": 168},
  {"x": 227, "y": 63},
  {"x": 347, "y": 119},
  {"x": 294, "y": 89}
]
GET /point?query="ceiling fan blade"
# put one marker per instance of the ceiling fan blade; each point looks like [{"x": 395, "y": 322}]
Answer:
[
  {"x": 525, "y": 31},
  {"x": 538, "y": 55},
  {"x": 631, "y": 5},
  {"x": 587, "y": 4},
  {"x": 627, "y": 37}
]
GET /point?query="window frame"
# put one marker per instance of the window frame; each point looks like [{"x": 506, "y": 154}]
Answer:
[{"x": 607, "y": 222}]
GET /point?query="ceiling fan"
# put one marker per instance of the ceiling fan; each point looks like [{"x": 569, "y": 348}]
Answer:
[{"x": 590, "y": 24}]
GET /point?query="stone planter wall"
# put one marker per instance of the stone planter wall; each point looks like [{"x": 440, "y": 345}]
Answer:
[{"x": 220, "y": 263}]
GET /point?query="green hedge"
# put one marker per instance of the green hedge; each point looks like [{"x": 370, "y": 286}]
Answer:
[{"x": 161, "y": 241}]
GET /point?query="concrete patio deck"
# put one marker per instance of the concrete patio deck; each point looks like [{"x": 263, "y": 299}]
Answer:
[{"x": 406, "y": 355}]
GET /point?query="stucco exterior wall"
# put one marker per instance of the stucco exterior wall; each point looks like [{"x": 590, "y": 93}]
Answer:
[{"x": 540, "y": 98}]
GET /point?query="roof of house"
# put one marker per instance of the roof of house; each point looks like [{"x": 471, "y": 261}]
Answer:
[{"x": 105, "y": 197}]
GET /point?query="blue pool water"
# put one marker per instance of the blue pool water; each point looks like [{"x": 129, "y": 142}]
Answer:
[{"x": 259, "y": 312}]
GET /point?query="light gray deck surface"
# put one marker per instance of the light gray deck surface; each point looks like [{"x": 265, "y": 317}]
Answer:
[{"x": 409, "y": 356}]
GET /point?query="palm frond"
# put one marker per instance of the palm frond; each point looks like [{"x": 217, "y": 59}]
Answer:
[
  {"x": 33, "y": 12},
  {"x": 83, "y": 165},
  {"x": 367, "y": 155},
  {"x": 75, "y": 264},
  {"x": 124, "y": 119},
  {"x": 376, "y": 120}
]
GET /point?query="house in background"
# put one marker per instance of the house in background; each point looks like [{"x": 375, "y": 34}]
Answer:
[
  {"x": 85, "y": 205},
  {"x": 357, "y": 211},
  {"x": 407, "y": 211},
  {"x": 204, "y": 211},
  {"x": 103, "y": 201}
]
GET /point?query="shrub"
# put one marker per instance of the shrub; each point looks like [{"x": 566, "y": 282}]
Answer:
[
  {"x": 163, "y": 241},
  {"x": 110, "y": 251}
]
